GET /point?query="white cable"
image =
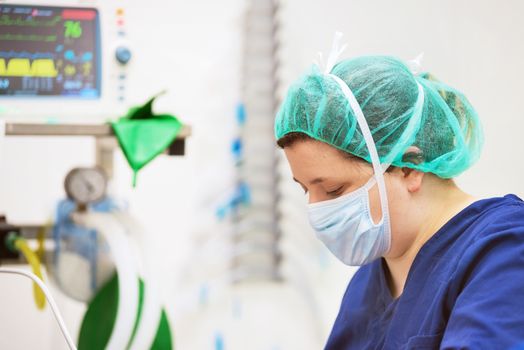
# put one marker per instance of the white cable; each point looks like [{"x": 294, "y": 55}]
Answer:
[
  {"x": 151, "y": 307},
  {"x": 110, "y": 228},
  {"x": 50, "y": 300}
]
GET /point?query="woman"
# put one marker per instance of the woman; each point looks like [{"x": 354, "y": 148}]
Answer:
[{"x": 376, "y": 149}]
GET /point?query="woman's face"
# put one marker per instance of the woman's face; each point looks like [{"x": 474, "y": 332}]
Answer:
[{"x": 326, "y": 173}]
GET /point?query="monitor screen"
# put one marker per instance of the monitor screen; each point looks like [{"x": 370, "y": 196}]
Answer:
[{"x": 49, "y": 51}]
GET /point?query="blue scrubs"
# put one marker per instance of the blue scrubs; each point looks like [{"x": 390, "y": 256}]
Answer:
[{"x": 465, "y": 289}]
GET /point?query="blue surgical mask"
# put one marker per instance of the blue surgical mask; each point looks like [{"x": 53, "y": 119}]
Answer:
[{"x": 346, "y": 227}]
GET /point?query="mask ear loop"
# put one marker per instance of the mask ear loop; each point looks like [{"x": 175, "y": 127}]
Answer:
[
  {"x": 378, "y": 168},
  {"x": 373, "y": 180},
  {"x": 336, "y": 51},
  {"x": 370, "y": 143}
]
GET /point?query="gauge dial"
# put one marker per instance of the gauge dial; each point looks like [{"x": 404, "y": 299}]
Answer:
[{"x": 86, "y": 185}]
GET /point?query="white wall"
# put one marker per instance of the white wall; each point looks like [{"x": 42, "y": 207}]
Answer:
[
  {"x": 475, "y": 46},
  {"x": 193, "y": 49}
]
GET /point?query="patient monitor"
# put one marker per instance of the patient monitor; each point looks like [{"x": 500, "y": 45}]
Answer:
[{"x": 63, "y": 61}]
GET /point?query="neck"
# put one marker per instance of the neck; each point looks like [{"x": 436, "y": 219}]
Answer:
[{"x": 447, "y": 200}]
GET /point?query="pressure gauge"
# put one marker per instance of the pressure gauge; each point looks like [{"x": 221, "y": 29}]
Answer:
[{"x": 86, "y": 185}]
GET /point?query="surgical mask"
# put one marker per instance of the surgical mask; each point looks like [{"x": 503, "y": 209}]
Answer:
[{"x": 345, "y": 225}]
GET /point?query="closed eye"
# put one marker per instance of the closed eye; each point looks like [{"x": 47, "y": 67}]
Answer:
[{"x": 335, "y": 192}]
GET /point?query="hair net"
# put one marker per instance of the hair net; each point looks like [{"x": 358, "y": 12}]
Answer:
[{"x": 438, "y": 132}]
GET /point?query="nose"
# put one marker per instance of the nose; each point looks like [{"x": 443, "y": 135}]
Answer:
[{"x": 311, "y": 199}]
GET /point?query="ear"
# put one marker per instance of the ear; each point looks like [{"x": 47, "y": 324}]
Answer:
[{"x": 413, "y": 179}]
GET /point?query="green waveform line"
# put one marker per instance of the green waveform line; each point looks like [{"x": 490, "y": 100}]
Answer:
[
  {"x": 30, "y": 37},
  {"x": 5, "y": 20}
]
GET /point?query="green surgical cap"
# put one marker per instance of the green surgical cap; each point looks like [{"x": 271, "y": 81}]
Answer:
[{"x": 445, "y": 138}]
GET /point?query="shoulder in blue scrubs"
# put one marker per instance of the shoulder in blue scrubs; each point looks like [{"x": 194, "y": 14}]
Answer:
[{"x": 465, "y": 289}]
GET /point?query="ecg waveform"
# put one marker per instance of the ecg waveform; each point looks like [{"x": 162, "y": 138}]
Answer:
[
  {"x": 6, "y": 20},
  {"x": 26, "y": 54},
  {"x": 28, "y": 37},
  {"x": 23, "y": 67}
]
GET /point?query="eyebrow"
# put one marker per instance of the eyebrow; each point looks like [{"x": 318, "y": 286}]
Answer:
[{"x": 314, "y": 182}]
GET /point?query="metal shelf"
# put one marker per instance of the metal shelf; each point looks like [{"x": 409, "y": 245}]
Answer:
[
  {"x": 105, "y": 138},
  {"x": 96, "y": 130}
]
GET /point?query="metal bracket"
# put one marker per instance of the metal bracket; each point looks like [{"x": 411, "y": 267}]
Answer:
[{"x": 106, "y": 142}]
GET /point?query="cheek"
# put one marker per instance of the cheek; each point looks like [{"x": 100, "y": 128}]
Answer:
[
  {"x": 374, "y": 204},
  {"x": 397, "y": 198},
  {"x": 399, "y": 214},
  {"x": 399, "y": 201}
]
